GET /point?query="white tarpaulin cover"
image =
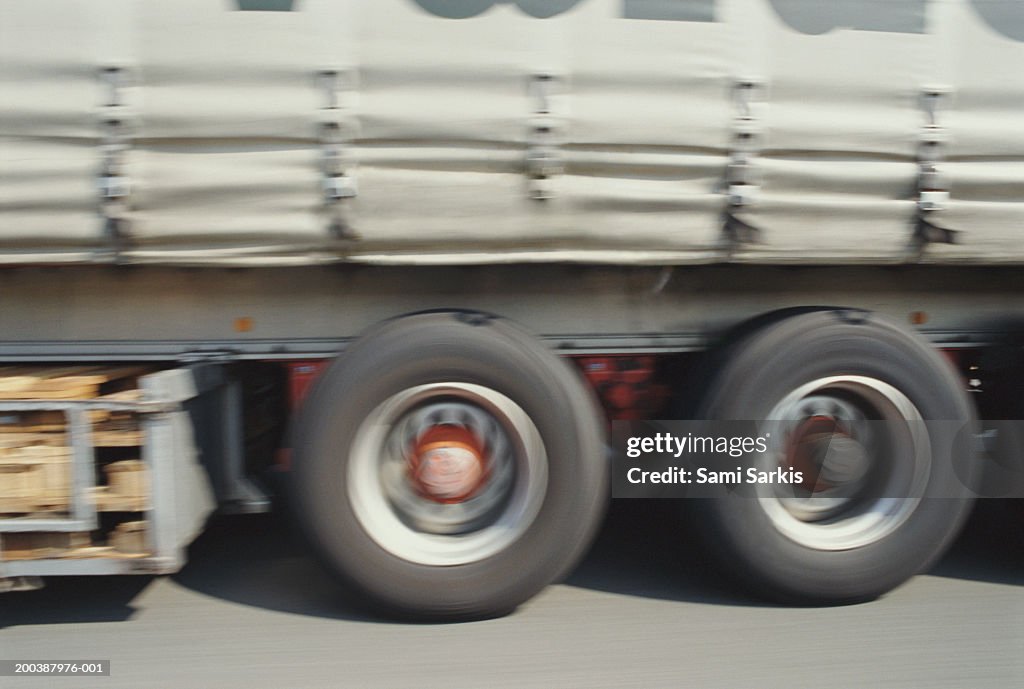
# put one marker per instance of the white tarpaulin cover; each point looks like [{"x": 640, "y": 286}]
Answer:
[{"x": 440, "y": 104}]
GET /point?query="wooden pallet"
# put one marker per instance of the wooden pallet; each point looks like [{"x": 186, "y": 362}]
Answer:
[
  {"x": 35, "y": 546},
  {"x": 106, "y": 552},
  {"x": 39, "y": 507},
  {"x": 62, "y": 383},
  {"x": 35, "y": 478},
  {"x": 35, "y": 461},
  {"x": 19, "y": 423},
  {"x": 85, "y": 552},
  {"x": 118, "y": 433},
  {"x": 18, "y": 440},
  {"x": 106, "y": 501},
  {"x": 106, "y": 434},
  {"x": 37, "y": 436},
  {"x": 42, "y": 421},
  {"x": 127, "y": 540}
]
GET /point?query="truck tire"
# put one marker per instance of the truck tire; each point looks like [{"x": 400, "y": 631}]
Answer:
[
  {"x": 449, "y": 466},
  {"x": 890, "y": 518}
]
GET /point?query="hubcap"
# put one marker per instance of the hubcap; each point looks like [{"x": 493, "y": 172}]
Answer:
[
  {"x": 447, "y": 473},
  {"x": 447, "y": 464},
  {"x": 865, "y": 457}
]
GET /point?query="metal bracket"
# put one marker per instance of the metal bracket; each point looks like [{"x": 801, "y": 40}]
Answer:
[
  {"x": 337, "y": 128},
  {"x": 241, "y": 495},
  {"x": 544, "y": 160},
  {"x": 113, "y": 183},
  {"x": 932, "y": 183},
  {"x": 742, "y": 183}
]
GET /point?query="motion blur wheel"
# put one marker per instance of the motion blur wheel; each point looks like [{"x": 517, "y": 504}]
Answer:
[
  {"x": 447, "y": 473},
  {"x": 881, "y": 432},
  {"x": 449, "y": 466}
]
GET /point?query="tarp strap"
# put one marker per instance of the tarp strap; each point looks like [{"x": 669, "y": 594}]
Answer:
[
  {"x": 113, "y": 182},
  {"x": 544, "y": 159},
  {"x": 337, "y": 129},
  {"x": 933, "y": 184},
  {"x": 742, "y": 182}
]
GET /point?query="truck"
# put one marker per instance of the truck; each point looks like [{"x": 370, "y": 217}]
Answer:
[{"x": 413, "y": 257}]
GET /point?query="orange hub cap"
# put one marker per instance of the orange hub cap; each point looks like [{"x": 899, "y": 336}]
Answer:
[{"x": 447, "y": 464}]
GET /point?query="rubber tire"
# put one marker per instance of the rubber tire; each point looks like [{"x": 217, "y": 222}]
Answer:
[
  {"x": 758, "y": 372},
  {"x": 451, "y": 347}
]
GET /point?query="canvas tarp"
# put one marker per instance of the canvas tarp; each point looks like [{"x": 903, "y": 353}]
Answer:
[{"x": 225, "y": 104}]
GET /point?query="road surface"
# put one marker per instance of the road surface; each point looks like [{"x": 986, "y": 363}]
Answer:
[{"x": 252, "y": 611}]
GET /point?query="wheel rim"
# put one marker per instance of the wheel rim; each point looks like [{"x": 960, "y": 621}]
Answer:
[
  {"x": 871, "y": 475},
  {"x": 447, "y": 473}
]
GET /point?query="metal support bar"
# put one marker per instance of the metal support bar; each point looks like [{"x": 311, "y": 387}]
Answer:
[
  {"x": 158, "y": 455},
  {"x": 224, "y": 441},
  {"x": 240, "y": 495},
  {"x": 83, "y": 469}
]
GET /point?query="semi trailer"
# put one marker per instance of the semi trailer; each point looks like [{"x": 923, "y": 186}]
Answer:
[{"x": 415, "y": 256}]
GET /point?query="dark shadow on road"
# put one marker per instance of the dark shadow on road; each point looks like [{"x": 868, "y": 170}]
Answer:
[
  {"x": 257, "y": 560},
  {"x": 252, "y": 560},
  {"x": 643, "y": 550},
  {"x": 991, "y": 548},
  {"x": 73, "y": 600},
  {"x": 646, "y": 549}
]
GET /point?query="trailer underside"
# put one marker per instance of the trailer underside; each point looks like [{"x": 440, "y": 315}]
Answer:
[{"x": 104, "y": 313}]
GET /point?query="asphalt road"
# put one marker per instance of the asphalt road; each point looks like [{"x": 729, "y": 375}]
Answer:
[{"x": 251, "y": 611}]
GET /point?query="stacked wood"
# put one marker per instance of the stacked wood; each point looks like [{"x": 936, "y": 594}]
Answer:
[
  {"x": 127, "y": 488},
  {"x": 33, "y": 545},
  {"x": 35, "y": 478},
  {"x": 64, "y": 382},
  {"x": 129, "y": 538},
  {"x": 36, "y": 462}
]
